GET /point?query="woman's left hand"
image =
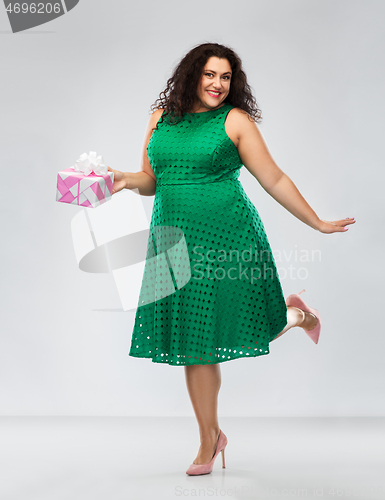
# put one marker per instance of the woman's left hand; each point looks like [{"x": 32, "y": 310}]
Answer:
[{"x": 335, "y": 226}]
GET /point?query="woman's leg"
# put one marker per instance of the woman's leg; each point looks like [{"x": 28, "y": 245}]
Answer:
[
  {"x": 203, "y": 384},
  {"x": 297, "y": 317}
]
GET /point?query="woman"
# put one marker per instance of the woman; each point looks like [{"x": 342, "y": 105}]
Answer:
[{"x": 201, "y": 133}]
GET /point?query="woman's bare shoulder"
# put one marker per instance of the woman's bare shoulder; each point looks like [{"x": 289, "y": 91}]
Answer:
[
  {"x": 238, "y": 122},
  {"x": 158, "y": 112},
  {"x": 155, "y": 117},
  {"x": 240, "y": 116}
]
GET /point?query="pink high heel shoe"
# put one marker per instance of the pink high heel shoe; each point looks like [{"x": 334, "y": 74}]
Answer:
[
  {"x": 296, "y": 301},
  {"x": 197, "y": 469}
]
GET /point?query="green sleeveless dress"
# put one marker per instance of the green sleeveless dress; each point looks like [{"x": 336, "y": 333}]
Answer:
[{"x": 211, "y": 290}]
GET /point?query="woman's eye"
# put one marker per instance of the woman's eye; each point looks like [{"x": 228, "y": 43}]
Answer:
[{"x": 210, "y": 74}]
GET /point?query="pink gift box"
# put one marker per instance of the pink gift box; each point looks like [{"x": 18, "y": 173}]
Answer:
[{"x": 84, "y": 190}]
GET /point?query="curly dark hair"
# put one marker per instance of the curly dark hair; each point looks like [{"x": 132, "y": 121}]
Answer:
[{"x": 180, "y": 92}]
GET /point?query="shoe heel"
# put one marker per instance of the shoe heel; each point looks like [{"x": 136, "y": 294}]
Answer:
[
  {"x": 199, "y": 469},
  {"x": 296, "y": 301}
]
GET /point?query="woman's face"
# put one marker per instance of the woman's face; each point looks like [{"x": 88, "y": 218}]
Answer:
[{"x": 214, "y": 85}]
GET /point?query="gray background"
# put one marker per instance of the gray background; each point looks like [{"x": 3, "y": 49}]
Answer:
[{"x": 85, "y": 81}]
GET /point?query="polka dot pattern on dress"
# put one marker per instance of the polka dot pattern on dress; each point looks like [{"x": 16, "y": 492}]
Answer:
[{"x": 211, "y": 290}]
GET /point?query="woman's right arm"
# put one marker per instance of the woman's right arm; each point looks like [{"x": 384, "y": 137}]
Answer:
[{"x": 145, "y": 180}]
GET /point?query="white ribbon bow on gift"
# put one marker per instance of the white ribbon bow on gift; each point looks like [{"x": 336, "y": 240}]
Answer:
[{"x": 90, "y": 163}]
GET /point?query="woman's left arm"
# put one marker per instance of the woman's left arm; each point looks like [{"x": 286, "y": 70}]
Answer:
[{"x": 256, "y": 157}]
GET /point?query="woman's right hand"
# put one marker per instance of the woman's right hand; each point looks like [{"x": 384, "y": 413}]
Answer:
[{"x": 119, "y": 180}]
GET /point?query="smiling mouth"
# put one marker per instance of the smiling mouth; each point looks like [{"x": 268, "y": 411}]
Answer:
[{"x": 213, "y": 93}]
